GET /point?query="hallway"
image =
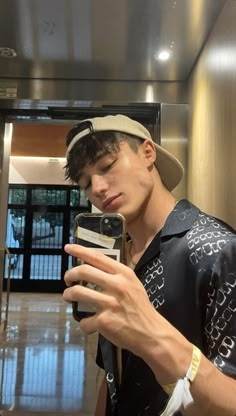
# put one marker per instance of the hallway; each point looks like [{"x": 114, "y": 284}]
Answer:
[{"x": 46, "y": 364}]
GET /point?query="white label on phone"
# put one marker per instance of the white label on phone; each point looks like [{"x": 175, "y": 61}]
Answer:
[
  {"x": 96, "y": 238},
  {"x": 113, "y": 253}
]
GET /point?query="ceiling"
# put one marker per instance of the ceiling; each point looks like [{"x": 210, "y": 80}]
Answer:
[{"x": 104, "y": 39}]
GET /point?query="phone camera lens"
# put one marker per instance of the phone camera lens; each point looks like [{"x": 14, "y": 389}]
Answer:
[
  {"x": 116, "y": 222},
  {"x": 112, "y": 227}
]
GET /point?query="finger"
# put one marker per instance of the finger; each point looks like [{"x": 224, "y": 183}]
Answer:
[
  {"x": 95, "y": 258},
  {"x": 89, "y": 325},
  {"x": 91, "y": 274},
  {"x": 79, "y": 293}
]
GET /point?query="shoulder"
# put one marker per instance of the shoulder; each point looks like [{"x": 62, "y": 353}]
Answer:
[{"x": 208, "y": 237}]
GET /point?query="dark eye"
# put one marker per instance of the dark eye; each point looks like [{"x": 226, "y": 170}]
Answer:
[{"x": 107, "y": 167}]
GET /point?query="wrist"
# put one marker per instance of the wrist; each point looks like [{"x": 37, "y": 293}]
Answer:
[
  {"x": 168, "y": 356},
  {"x": 181, "y": 396},
  {"x": 190, "y": 374}
]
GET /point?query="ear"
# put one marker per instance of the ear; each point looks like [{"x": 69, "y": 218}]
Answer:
[{"x": 149, "y": 152}]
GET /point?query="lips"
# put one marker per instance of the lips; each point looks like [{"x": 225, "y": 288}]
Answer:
[{"x": 109, "y": 202}]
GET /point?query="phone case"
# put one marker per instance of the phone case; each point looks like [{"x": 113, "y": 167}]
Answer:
[{"x": 103, "y": 232}]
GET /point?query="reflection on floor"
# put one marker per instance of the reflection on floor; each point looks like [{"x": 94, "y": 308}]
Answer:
[{"x": 47, "y": 365}]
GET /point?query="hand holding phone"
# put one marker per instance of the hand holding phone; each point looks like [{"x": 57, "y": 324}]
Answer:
[{"x": 103, "y": 232}]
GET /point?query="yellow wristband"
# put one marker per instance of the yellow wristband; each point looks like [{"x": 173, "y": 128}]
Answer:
[
  {"x": 196, "y": 358},
  {"x": 192, "y": 371}
]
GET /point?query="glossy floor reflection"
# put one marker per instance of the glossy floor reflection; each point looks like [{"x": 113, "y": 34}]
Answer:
[{"x": 47, "y": 365}]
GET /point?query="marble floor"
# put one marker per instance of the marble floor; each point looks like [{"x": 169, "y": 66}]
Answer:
[{"x": 46, "y": 364}]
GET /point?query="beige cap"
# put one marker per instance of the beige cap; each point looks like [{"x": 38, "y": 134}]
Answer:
[{"x": 169, "y": 168}]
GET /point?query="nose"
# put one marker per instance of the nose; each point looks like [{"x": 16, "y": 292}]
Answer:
[{"x": 99, "y": 185}]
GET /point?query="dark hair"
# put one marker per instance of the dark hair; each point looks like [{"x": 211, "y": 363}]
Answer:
[{"x": 92, "y": 147}]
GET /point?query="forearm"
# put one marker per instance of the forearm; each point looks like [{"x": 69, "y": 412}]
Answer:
[{"x": 212, "y": 391}]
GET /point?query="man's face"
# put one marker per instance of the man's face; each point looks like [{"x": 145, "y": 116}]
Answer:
[{"x": 119, "y": 182}]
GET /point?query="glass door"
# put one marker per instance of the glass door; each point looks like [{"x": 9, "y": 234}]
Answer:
[{"x": 40, "y": 222}]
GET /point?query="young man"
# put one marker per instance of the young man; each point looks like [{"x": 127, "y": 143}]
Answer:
[{"x": 167, "y": 320}]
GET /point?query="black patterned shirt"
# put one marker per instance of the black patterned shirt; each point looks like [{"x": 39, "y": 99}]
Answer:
[{"x": 189, "y": 273}]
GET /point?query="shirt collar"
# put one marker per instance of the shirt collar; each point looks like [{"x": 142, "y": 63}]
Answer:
[{"x": 180, "y": 219}]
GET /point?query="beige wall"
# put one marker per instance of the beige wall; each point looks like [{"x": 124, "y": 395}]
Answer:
[
  {"x": 174, "y": 138},
  {"x": 212, "y": 133},
  {"x": 37, "y": 170}
]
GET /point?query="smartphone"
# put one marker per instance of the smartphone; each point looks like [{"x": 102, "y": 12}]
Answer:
[{"x": 103, "y": 232}]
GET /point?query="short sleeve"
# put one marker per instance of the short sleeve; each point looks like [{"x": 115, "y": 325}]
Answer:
[{"x": 220, "y": 326}]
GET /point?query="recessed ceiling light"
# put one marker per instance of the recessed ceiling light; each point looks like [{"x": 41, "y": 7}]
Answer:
[
  {"x": 162, "y": 56},
  {"x": 7, "y": 52}
]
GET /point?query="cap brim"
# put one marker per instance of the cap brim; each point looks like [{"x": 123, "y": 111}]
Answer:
[{"x": 170, "y": 169}]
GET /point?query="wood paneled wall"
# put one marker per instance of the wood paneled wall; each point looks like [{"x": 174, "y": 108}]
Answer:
[
  {"x": 212, "y": 129},
  {"x": 39, "y": 140}
]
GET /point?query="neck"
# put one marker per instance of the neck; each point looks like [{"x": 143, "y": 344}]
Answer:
[{"x": 143, "y": 229}]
